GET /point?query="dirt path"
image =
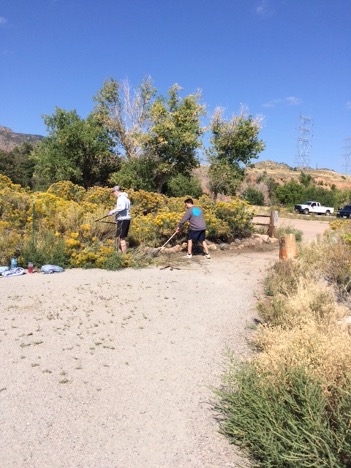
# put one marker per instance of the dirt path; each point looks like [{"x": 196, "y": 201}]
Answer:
[
  {"x": 311, "y": 229},
  {"x": 113, "y": 369}
]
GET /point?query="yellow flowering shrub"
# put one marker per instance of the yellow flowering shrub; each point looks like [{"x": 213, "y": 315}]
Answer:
[
  {"x": 144, "y": 203},
  {"x": 64, "y": 222},
  {"x": 5, "y": 182},
  {"x": 10, "y": 242},
  {"x": 99, "y": 196},
  {"x": 14, "y": 206},
  {"x": 67, "y": 190},
  {"x": 237, "y": 215},
  {"x": 342, "y": 227}
]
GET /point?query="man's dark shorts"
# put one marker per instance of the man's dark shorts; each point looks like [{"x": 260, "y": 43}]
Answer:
[
  {"x": 122, "y": 228},
  {"x": 197, "y": 236}
]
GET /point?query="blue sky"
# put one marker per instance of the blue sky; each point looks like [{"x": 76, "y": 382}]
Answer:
[{"x": 280, "y": 58}]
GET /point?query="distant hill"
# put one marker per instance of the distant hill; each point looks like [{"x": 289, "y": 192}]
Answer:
[
  {"x": 9, "y": 139},
  {"x": 282, "y": 173}
]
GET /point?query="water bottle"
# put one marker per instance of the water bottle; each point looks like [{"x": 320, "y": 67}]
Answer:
[
  {"x": 13, "y": 263},
  {"x": 30, "y": 267}
]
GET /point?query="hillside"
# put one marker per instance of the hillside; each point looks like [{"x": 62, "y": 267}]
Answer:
[
  {"x": 9, "y": 139},
  {"x": 282, "y": 173}
]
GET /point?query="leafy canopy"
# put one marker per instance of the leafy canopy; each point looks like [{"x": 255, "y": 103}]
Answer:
[
  {"x": 234, "y": 143},
  {"x": 77, "y": 150}
]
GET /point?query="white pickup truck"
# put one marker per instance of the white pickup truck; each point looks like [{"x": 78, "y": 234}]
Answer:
[{"x": 314, "y": 207}]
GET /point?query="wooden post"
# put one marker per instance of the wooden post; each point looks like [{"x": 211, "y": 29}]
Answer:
[
  {"x": 287, "y": 247},
  {"x": 271, "y": 224}
]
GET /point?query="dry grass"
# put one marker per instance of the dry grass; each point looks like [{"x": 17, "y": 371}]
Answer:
[
  {"x": 291, "y": 404},
  {"x": 303, "y": 315},
  {"x": 323, "y": 353}
]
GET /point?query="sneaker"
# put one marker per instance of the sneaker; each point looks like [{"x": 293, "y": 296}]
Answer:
[
  {"x": 207, "y": 256},
  {"x": 188, "y": 256}
]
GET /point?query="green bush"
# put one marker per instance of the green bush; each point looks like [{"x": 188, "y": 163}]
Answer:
[
  {"x": 283, "y": 230},
  {"x": 114, "y": 261},
  {"x": 254, "y": 196},
  {"x": 181, "y": 186},
  {"x": 45, "y": 249},
  {"x": 293, "y": 424}
]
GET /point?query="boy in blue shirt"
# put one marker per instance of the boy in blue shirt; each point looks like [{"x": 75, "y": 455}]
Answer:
[{"x": 197, "y": 233}]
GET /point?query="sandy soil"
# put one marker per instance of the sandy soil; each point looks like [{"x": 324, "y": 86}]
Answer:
[
  {"x": 114, "y": 369},
  {"x": 312, "y": 230}
]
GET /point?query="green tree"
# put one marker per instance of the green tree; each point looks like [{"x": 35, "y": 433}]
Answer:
[
  {"x": 125, "y": 113},
  {"x": 174, "y": 136},
  {"x": 77, "y": 150},
  {"x": 136, "y": 173},
  {"x": 290, "y": 193},
  {"x": 305, "y": 179},
  {"x": 17, "y": 165},
  {"x": 181, "y": 185},
  {"x": 233, "y": 144}
]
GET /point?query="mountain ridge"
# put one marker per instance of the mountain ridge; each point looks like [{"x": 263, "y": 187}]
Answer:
[{"x": 10, "y": 139}]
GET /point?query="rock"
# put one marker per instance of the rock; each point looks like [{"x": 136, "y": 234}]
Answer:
[
  {"x": 169, "y": 250},
  {"x": 263, "y": 237},
  {"x": 223, "y": 246}
]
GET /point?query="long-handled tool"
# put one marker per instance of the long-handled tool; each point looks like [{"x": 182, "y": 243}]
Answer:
[
  {"x": 157, "y": 251},
  {"x": 96, "y": 220}
]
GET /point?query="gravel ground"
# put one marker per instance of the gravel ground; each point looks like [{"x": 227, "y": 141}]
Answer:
[
  {"x": 114, "y": 369},
  {"x": 312, "y": 230}
]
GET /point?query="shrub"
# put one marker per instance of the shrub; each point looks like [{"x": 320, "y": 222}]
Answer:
[
  {"x": 292, "y": 424},
  {"x": 181, "y": 186},
  {"x": 284, "y": 230},
  {"x": 61, "y": 224},
  {"x": 254, "y": 196},
  {"x": 291, "y": 404},
  {"x": 67, "y": 190},
  {"x": 45, "y": 249}
]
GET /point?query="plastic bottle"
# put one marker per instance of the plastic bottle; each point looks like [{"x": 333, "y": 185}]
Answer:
[
  {"x": 13, "y": 263},
  {"x": 30, "y": 267}
]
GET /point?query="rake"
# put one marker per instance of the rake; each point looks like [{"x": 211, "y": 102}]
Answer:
[
  {"x": 106, "y": 222},
  {"x": 157, "y": 251}
]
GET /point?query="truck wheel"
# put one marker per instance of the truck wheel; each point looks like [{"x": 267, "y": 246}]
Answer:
[
  {"x": 305, "y": 211},
  {"x": 327, "y": 213}
]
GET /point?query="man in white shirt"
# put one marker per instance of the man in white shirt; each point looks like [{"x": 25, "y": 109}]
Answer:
[{"x": 122, "y": 216}]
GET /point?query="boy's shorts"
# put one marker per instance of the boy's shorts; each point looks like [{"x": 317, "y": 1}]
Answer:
[
  {"x": 197, "y": 236},
  {"x": 122, "y": 228}
]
